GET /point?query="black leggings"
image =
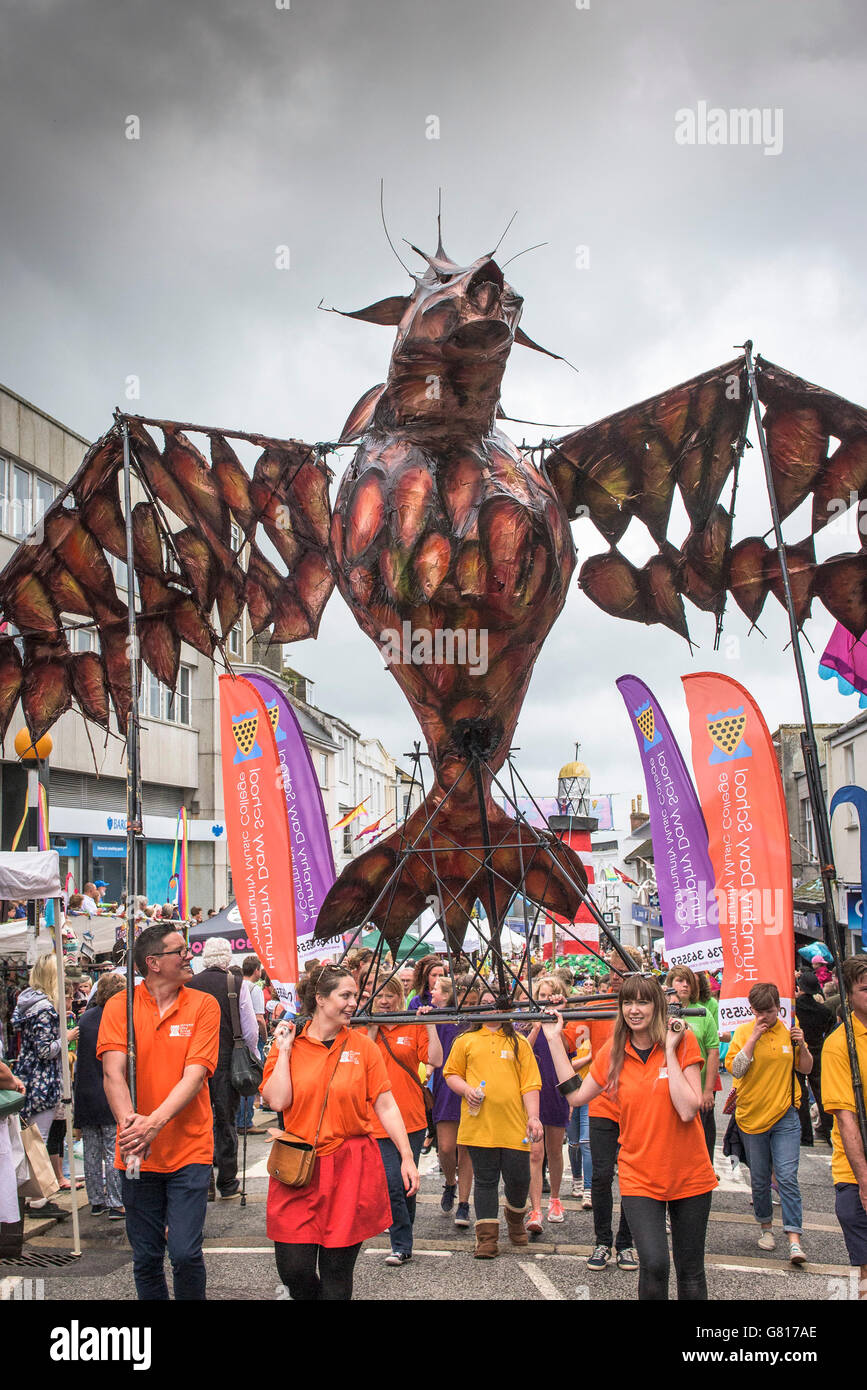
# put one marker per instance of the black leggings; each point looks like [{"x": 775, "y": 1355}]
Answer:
[
  {"x": 689, "y": 1218},
  {"x": 296, "y": 1265},
  {"x": 488, "y": 1164}
]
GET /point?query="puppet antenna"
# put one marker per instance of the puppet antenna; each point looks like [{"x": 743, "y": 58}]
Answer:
[{"x": 385, "y": 228}]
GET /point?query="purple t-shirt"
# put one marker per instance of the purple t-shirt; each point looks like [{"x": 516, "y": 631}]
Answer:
[{"x": 446, "y": 1105}]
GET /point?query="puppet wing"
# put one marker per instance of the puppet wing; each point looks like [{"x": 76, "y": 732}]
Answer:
[
  {"x": 195, "y": 571},
  {"x": 692, "y": 438}
]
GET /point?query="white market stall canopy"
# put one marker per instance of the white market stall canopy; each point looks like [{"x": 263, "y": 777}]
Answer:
[{"x": 31, "y": 874}]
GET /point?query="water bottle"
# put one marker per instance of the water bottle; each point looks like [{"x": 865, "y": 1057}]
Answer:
[{"x": 474, "y": 1109}]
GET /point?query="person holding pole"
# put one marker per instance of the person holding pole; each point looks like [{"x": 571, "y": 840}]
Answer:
[
  {"x": 652, "y": 1067},
  {"x": 495, "y": 1073},
  {"x": 848, "y": 1160},
  {"x": 331, "y": 1085},
  {"x": 177, "y": 1035},
  {"x": 404, "y": 1048},
  {"x": 763, "y": 1057}
]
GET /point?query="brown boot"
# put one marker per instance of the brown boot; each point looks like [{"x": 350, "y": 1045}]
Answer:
[
  {"x": 487, "y": 1236},
  {"x": 515, "y": 1224}
]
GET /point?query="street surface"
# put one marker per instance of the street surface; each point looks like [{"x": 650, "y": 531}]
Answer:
[{"x": 240, "y": 1261}]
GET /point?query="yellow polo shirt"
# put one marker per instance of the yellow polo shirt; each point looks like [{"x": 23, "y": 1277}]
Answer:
[
  {"x": 837, "y": 1092},
  {"x": 490, "y": 1057},
  {"x": 765, "y": 1091}
]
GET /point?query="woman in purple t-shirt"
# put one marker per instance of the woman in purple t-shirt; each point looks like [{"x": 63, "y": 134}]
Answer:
[{"x": 454, "y": 1158}]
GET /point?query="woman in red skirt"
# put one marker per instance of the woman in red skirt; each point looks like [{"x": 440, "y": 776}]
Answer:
[{"x": 318, "y": 1230}]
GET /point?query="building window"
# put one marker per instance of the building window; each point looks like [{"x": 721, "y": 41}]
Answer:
[
  {"x": 236, "y": 537},
  {"x": 849, "y": 764},
  {"x": 323, "y": 770},
  {"x": 235, "y": 640},
  {"x": 24, "y": 498},
  {"x": 347, "y": 838},
  {"x": 158, "y": 702},
  {"x": 807, "y": 838},
  {"x": 178, "y": 700},
  {"x": 344, "y": 757}
]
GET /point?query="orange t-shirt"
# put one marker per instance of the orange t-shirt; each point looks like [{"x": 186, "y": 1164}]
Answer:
[
  {"x": 188, "y": 1034},
  {"x": 409, "y": 1044},
  {"x": 359, "y": 1080},
  {"x": 603, "y": 1107},
  {"x": 661, "y": 1155}
]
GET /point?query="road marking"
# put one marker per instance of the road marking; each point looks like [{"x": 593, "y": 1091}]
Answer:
[
  {"x": 546, "y": 1288},
  {"x": 258, "y": 1170},
  {"x": 438, "y": 1254},
  {"x": 238, "y": 1250}
]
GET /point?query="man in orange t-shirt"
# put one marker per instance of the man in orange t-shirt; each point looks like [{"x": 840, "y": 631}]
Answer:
[
  {"x": 177, "y": 1035},
  {"x": 604, "y": 1117}
]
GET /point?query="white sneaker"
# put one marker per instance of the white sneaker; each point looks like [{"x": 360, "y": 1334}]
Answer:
[
  {"x": 577, "y": 1189},
  {"x": 766, "y": 1241}
]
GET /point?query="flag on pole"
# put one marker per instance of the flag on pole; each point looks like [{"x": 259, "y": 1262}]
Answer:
[
  {"x": 741, "y": 795},
  {"x": 257, "y": 832},
  {"x": 350, "y": 815},
  {"x": 684, "y": 873},
  {"x": 371, "y": 829}
]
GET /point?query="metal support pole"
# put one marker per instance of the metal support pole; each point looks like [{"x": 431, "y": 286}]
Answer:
[
  {"x": 821, "y": 820},
  {"x": 133, "y": 781},
  {"x": 494, "y": 920}
]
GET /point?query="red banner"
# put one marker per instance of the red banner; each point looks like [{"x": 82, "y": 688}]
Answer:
[
  {"x": 257, "y": 831},
  {"x": 741, "y": 795}
]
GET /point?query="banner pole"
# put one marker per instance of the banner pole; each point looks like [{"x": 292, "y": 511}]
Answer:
[
  {"x": 133, "y": 782},
  {"x": 821, "y": 819}
]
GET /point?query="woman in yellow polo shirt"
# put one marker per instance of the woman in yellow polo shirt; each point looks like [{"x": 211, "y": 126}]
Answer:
[
  {"x": 495, "y": 1073},
  {"x": 763, "y": 1057}
]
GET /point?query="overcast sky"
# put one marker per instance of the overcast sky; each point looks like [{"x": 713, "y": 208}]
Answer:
[{"x": 263, "y": 127}]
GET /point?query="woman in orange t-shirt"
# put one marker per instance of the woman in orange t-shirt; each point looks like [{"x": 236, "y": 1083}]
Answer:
[
  {"x": 652, "y": 1066},
  {"x": 330, "y": 1083},
  {"x": 403, "y": 1047}
]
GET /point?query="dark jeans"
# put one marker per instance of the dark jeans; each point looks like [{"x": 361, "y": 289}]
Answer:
[
  {"x": 488, "y": 1164},
  {"x": 708, "y": 1124},
  {"x": 402, "y": 1207},
  {"x": 168, "y": 1209},
  {"x": 224, "y": 1107},
  {"x": 296, "y": 1265},
  {"x": 815, "y": 1085},
  {"x": 689, "y": 1218},
  {"x": 604, "y": 1143}
]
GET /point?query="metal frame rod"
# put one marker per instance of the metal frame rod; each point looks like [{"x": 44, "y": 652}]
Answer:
[
  {"x": 133, "y": 771},
  {"x": 821, "y": 819}
]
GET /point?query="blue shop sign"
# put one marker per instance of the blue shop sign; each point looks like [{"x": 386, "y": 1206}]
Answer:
[
  {"x": 855, "y": 915},
  {"x": 108, "y": 849},
  {"x": 72, "y": 848}
]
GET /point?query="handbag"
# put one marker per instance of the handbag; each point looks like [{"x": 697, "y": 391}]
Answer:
[
  {"x": 428, "y": 1097},
  {"x": 10, "y": 1103},
  {"x": 43, "y": 1179},
  {"x": 245, "y": 1071},
  {"x": 292, "y": 1158}
]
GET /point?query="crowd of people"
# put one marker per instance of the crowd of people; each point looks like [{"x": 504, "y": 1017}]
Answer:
[{"x": 629, "y": 1089}]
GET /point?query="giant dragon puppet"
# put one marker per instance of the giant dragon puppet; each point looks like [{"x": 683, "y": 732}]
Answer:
[{"x": 441, "y": 522}]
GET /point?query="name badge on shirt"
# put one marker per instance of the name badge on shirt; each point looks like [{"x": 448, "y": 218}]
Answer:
[
  {"x": 180, "y": 1030},
  {"x": 350, "y": 1057},
  {"x": 787, "y": 1049},
  {"x": 663, "y": 1073},
  {"x": 506, "y": 1055},
  {"x": 405, "y": 1042}
]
